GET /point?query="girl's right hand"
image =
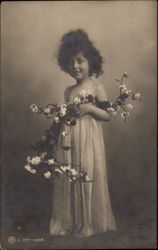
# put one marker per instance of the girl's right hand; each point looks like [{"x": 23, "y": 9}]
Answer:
[{"x": 85, "y": 109}]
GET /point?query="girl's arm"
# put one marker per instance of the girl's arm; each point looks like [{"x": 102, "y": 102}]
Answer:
[
  {"x": 95, "y": 111},
  {"x": 99, "y": 114},
  {"x": 67, "y": 93}
]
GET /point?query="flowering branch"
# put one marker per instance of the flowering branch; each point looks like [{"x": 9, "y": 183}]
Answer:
[
  {"x": 44, "y": 163},
  {"x": 120, "y": 102},
  {"x": 51, "y": 168}
]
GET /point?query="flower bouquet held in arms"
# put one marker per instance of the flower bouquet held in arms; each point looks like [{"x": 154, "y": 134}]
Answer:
[{"x": 45, "y": 163}]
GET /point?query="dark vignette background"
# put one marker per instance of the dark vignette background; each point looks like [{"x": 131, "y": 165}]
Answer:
[{"x": 125, "y": 34}]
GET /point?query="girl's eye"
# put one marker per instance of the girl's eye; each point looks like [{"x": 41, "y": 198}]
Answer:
[{"x": 80, "y": 60}]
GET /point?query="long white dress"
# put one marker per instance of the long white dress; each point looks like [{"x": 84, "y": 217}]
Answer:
[{"x": 83, "y": 207}]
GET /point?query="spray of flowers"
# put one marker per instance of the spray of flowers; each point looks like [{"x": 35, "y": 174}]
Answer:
[
  {"x": 44, "y": 163},
  {"x": 50, "y": 168},
  {"x": 120, "y": 105}
]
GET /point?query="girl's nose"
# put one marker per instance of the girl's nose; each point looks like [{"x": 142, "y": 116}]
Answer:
[{"x": 75, "y": 64}]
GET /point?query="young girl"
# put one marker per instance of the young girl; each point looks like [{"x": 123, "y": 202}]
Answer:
[{"x": 91, "y": 210}]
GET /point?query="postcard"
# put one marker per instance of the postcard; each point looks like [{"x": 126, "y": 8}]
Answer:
[{"x": 78, "y": 124}]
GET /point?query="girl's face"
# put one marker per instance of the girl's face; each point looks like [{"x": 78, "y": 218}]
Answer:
[{"x": 79, "y": 66}]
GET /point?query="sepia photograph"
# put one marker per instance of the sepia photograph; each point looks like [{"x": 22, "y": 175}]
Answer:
[{"x": 78, "y": 124}]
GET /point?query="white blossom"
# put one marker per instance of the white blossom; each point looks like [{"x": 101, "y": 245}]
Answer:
[
  {"x": 87, "y": 178},
  {"x": 68, "y": 167},
  {"x": 128, "y": 92},
  {"x": 36, "y": 160},
  {"x": 124, "y": 114},
  {"x": 56, "y": 119},
  {"x": 28, "y": 159},
  {"x": 73, "y": 172},
  {"x": 77, "y": 100},
  {"x": 30, "y": 169},
  {"x": 111, "y": 109},
  {"x": 43, "y": 154},
  {"x": 137, "y": 96},
  {"x": 65, "y": 168},
  {"x": 122, "y": 87},
  {"x": 63, "y": 106},
  {"x": 64, "y": 133},
  {"x": 34, "y": 108},
  {"x": 50, "y": 161},
  {"x": 47, "y": 174},
  {"x": 118, "y": 108},
  {"x": 83, "y": 93},
  {"x": 125, "y": 74},
  {"x": 62, "y": 112},
  {"x": 58, "y": 171},
  {"x": 114, "y": 113},
  {"x": 129, "y": 106},
  {"x": 47, "y": 110}
]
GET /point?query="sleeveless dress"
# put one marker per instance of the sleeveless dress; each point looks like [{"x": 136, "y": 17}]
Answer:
[{"x": 82, "y": 208}]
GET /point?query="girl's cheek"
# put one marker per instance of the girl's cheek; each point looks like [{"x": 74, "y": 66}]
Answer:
[{"x": 70, "y": 70}]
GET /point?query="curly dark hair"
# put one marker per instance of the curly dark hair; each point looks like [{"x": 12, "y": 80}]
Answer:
[{"x": 77, "y": 41}]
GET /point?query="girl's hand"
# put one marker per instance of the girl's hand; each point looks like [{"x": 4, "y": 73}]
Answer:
[
  {"x": 94, "y": 111},
  {"x": 85, "y": 109}
]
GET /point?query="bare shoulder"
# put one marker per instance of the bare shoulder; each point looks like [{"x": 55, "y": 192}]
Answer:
[
  {"x": 97, "y": 84},
  {"x": 67, "y": 93},
  {"x": 100, "y": 91}
]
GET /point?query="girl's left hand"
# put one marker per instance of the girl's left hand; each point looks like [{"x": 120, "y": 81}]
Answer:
[{"x": 85, "y": 109}]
